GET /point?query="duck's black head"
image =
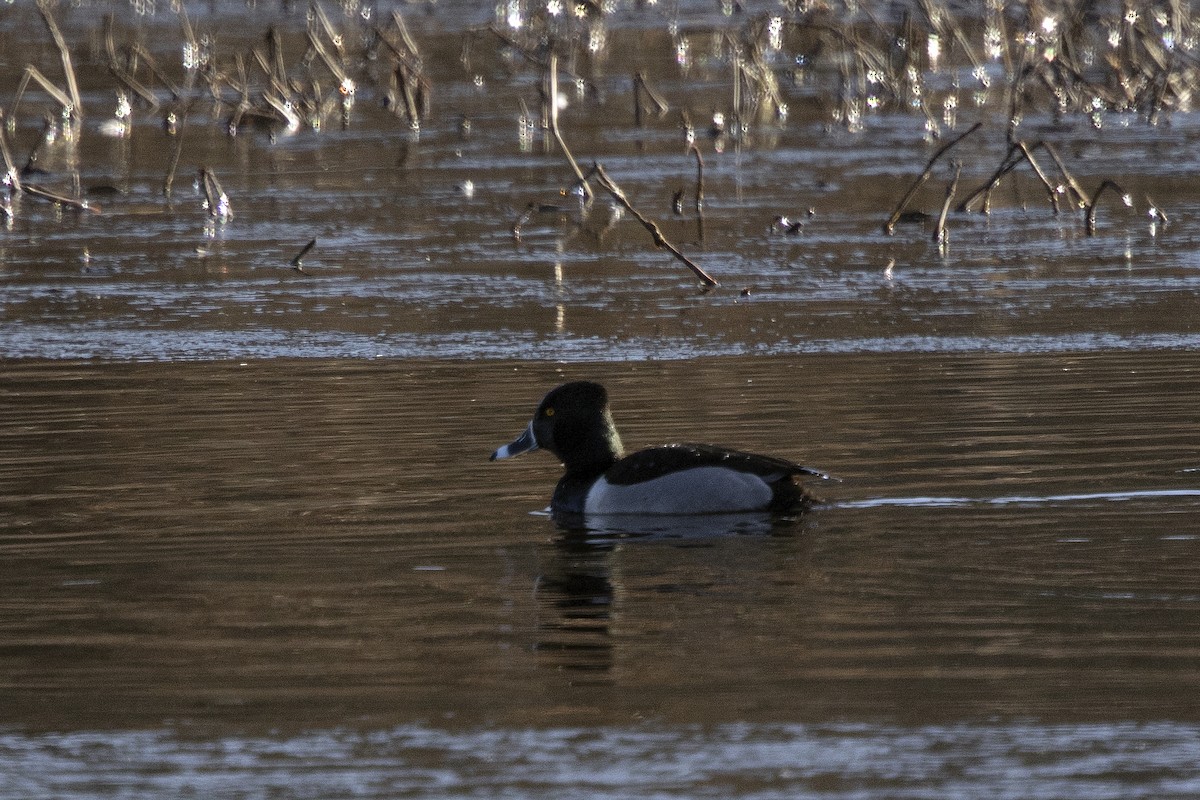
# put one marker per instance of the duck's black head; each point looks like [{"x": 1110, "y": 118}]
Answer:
[{"x": 574, "y": 423}]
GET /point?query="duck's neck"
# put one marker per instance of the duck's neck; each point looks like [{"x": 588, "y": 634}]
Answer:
[
  {"x": 597, "y": 450},
  {"x": 590, "y": 458}
]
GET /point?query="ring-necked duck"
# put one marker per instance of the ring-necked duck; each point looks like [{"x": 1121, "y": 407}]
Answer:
[{"x": 574, "y": 423}]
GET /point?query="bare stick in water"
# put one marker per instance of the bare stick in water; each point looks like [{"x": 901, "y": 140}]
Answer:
[
  {"x": 1081, "y": 197},
  {"x": 1050, "y": 189},
  {"x": 404, "y": 34},
  {"x": 890, "y": 225},
  {"x": 642, "y": 89},
  {"x": 939, "y": 233},
  {"x": 78, "y": 205},
  {"x": 1156, "y": 211},
  {"x": 297, "y": 262},
  {"x": 558, "y": 137},
  {"x": 181, "y": 126},
  {"x": 659, "y": 240},
  {"x": 32, "y": 72},
  {"x": 65, "y": 53},
  {"x": 321, "y": 19},
  {"x": 191, "y": 47},
  {"x": 526, "y": 215},
  {"x": 637, "y": 100},
  {"x": 1006, "y": 166},
  {"x": 330, "y": 63},
  {"x": 214, "y": 196},
  {"x": 10, "y": 169},
  {"x": 699, "y": 197},
  {"x": 1091, "y": 213}
]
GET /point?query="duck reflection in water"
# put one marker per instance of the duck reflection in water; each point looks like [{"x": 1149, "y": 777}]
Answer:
[
  {"x": 576, "y": 594},
  {"x": 593, "y": 581}
]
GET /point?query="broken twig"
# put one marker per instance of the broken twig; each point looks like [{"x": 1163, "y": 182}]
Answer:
[
  {"x": 659, "y": 240},
  {"x": 69, "y": 202}
]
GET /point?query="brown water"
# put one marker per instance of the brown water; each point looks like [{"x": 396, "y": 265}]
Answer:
[
  {"x": 252, "y": 545},
  {"x": 311, "y": 565}
]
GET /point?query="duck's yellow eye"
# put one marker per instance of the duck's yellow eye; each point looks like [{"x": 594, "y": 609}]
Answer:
[{"x": 549, "y": 412}]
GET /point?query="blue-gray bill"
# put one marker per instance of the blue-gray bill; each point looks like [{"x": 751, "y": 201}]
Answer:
[{"x": 522, "y": 444}]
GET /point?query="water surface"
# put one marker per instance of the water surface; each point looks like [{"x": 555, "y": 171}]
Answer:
[
  {"x": 252, "y": 545},
  {"x": 288, "y": 559},
  {"x": 416, "y": 254}
]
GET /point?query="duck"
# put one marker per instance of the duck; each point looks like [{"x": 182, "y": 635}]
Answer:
[{"x": 575, "y": 423}]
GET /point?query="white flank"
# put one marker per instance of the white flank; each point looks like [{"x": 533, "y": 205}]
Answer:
[{"x": 701, "y": 490}]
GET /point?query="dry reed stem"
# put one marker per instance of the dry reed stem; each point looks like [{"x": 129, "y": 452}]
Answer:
[
  {"x": 552, "y": 74},
  {"x": 333, "y": 66},
  {"x": 985, "y": 189},
  {"x": 939, "y": 233},
  {"x": 331, "y": 33},
  {"x": 642, "y": 88},
  {"x": 1091, "y": 212},
  {"x": 1050, "y": 190},
  {"x": 409, "y": 77},
  {"x": 11, "y": 173},
  {"x": 404, "y": 34},
  {"x": 65, "y": 55},
  {"x": 520, "y": 221},
  {"x": 1081, "y": 198},
  {"x": 411, "y": 59},
  {"x": 1020, "y": 151},
  {"x": 189, "y": 34},
  {"x": 278, "y": 81},
  {"x": 181, "y": 126},
  {"x": 276, "y": 67},
  {"x": 214, "y": 195},
  {"x": 405, "y": 80},
  {"x": 1156, "y": 211},
  {"x": 32, "y": 72},
  {"x": 134, "y": 85},
  {"x": 528, "y": 52},
  {"x": 890, "y": 225},
  {"x": 698, "y": 199}
]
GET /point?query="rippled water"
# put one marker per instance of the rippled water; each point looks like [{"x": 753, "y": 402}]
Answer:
[
  {"x": 793, "y": 761},
  {"x": 281, "y": 559},
  {"x": 409, "y": 264},
  {"x": 253, "y": 547}
]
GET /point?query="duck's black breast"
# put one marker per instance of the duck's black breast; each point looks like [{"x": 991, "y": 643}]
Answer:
[{"x": 655, "y": 462}]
